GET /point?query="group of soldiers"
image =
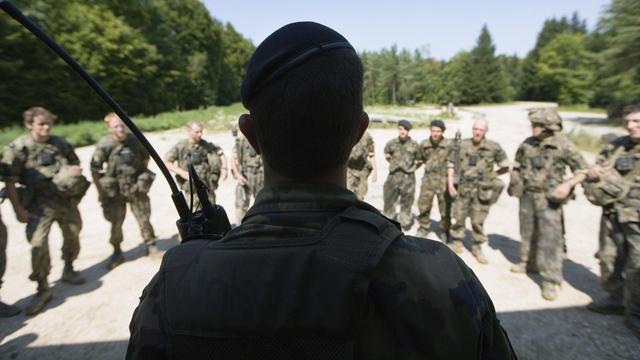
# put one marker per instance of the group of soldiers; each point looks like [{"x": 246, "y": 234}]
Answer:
[
  {"x": 52, "y": 185},
  {"x": 463, "y": 175}
]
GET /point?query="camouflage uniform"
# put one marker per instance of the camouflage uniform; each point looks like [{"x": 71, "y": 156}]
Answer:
[
  {"x": 268, "y": 289},
  {"x": 250, "y": 166},
  {"x": 619, "y": 252},
  {"x": 205, "y": 158},
  {"x": 359, "y": 166},
  {"x": 34, "y": 165},
  {"x": 434, "y": 183},
  {"x": 122, "y": 183},
  {"x": 540, "y": 166},
  {"x": 475, "y": 186},
  {"x": 400, "y": 186}
]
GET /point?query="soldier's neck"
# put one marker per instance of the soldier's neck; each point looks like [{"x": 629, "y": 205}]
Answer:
[
  {"x": 337, "y": 177},
  {"x": 38, "y": 138}
]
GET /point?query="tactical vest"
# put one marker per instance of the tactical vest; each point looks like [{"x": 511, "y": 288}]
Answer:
[
  {"x": 207, "y": 165},
  {"x": 280, "y": 299}
]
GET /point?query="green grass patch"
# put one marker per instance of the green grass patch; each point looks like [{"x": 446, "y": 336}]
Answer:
[
  {"x": 586, "y": 142},
  {"x": 482, "y": 105},
  {"x": 582, "y": 108},
  {"x": 88, "y": 132}
]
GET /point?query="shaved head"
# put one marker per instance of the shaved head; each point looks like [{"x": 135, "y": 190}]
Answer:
[{"x": 481, "y": 123}]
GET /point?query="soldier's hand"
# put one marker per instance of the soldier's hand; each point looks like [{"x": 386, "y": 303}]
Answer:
[
  {"x": 594, "y": 173},
  {"x": 242, "y": 180},
  {"x": 224, "y": 175},
  {"x": 75, "y": 170},
  {"x": 22, "y": 215},
  {"x": 561, "y": 191},
  {"x": 184, "y": 174}
]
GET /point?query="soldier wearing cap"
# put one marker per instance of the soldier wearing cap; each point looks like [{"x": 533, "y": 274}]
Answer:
[
  {"x": 477, "y": 186},
  {"x": 434, "y": 152},
  {"x": 312, "y": 272},
  {"x": 49, "y": 169},
  {"x": 403, "y": 155},
  {"x": 207, "y": 159},
  {"x": 247, "y": 169},
  {"x": 126, "y": 179},
  {"x": 616, "y": 187},
  {"x": 538, "y": 180},
  {"x": 361, "y": 164}
]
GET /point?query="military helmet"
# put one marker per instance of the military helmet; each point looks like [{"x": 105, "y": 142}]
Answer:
[{"x": 546, "y": 117}]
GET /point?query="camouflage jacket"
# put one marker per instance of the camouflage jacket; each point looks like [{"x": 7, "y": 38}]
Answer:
[
  {"x": 34, "y": 164},
  {"x": 249, "y": 160},
  {"x": 422, "y": 301},
  {"x": 204, "y": 156},
  {"x": 435, "y": 157},
  {"x": 359, "y": 157},
  {"x": 541, "y": 164},
  {"x": 125, "y": 159},
  {"x": 623, "y": 156},
  {"x": 402, "y": 155},
  {"x": 477, "y": 162}
]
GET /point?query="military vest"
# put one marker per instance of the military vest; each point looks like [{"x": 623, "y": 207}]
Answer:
[
  {"x": 476, "y": 163},
  {"x": 248, "y": 158},
  {"x": 292, "y": 299},
  {"x": 542, "y": 169}
]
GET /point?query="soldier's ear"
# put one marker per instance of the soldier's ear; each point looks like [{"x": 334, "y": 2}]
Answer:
[
  {"x": 245, "y": 124},
  {"x": 362, "y": 127}
]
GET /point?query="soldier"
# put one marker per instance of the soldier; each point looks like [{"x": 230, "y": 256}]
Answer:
[
  {"x": 50, "y": 170},
  {"x": 312, "y": 272},
  {"x": 537, "y": 179},
  {"x": 617, "y": 190},
  {"x": 6, "y": 310},
  {"x": 403, "y": 155},
  {"x": 361, "y": 164},
  {"x": 477, "y": 186},
  {"x": 126, "y": 179},
  {"x": 246, "y": 167},
  {"x": 434, "y": 152},
  {"x": 208, "y": 160}
]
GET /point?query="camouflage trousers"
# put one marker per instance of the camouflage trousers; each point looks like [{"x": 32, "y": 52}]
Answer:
[
  {"x": 115, "y": 210},
  {"x": 619, "y": 256},
  {"x": 65, "y": 213},
  {"x": 3, "y": 249},
  {"x": 542, "y": 235},
  {"x": 399, "y": 189},
  {"x": 357, "y": 181},
  {"x": 425, "y": 202},
  {"x": 466, "y": 205},
  {"x": 244, "y": 193}
]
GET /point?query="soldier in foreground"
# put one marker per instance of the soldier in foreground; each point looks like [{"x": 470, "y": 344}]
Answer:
[
  {"x": 617, "y": 190},
  {"x": 6, "y": 310},
  {"x": 50, "y": 171},
  {"x": 403, "y": 155},
  {"x": 537, "y": 179},
  {"x": 208, "y": 160},
  {"x": 281, "y": 284},
  {"x": 126, "y": 179},
  {"x": 361, "y": 164},
  {"x": 434, "y": 152},
  {"x": 247, "y": 169},
  {"x": 477, "y": 188}
]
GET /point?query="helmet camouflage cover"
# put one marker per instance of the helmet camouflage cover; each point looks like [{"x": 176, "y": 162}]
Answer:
[{"x": 546, "y": 117}]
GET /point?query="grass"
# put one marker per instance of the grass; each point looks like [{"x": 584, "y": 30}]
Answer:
[
  {"x": 420, "y": 115},
  {"x": 88, "y": 132},
  {"x": 586, "y": 142},
  {"x": 582, "y": 108}
]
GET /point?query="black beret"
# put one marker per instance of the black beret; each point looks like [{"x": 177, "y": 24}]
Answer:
[
  {"x": 286, "y": 48},
  {"x": 439, "y": 123},
  {"x": 405, "y": 124}
]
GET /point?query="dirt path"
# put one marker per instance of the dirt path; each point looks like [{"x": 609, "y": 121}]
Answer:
[{"x": 91, "y": 321}]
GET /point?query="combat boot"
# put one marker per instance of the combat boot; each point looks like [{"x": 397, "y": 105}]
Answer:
[
  {"x": 456, "y": 246},
  {"x": 549, "y": 291},
  {"x": 151, "y": 250},
  {"x": 40, "y": 300},
  {"x": 7, "y": 310},
  {"x": 476, "y": 250},
  {"x": 610, "y": 305},
  {"x": 633, "y": 323},
  {"x": 115, "y": 259},
  {"x": 70, "y": 276},
  {"x": 519, "y": 268}
]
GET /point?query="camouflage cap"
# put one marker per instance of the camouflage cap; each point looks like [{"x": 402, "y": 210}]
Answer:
[
  {"x": 546, "y": 117},
  {"x": 286, "y": 48}
]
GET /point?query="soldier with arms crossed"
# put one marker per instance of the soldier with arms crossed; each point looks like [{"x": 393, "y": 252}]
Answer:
[
  {"x": 126, "y": 179},
  {"x": 312, "y": 272}
]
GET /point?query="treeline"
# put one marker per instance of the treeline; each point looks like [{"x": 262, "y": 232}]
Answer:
[
  {"x": 151, "y": 55},
  {"x": 568, "y": 64}
]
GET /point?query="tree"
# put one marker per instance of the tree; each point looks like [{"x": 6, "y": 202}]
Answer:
[
  {"x": 237, "y": 51},
  {"x": 485, "y": 79}
]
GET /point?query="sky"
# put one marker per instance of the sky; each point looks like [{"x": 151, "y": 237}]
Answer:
[{"x": 437, "y": 28}]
